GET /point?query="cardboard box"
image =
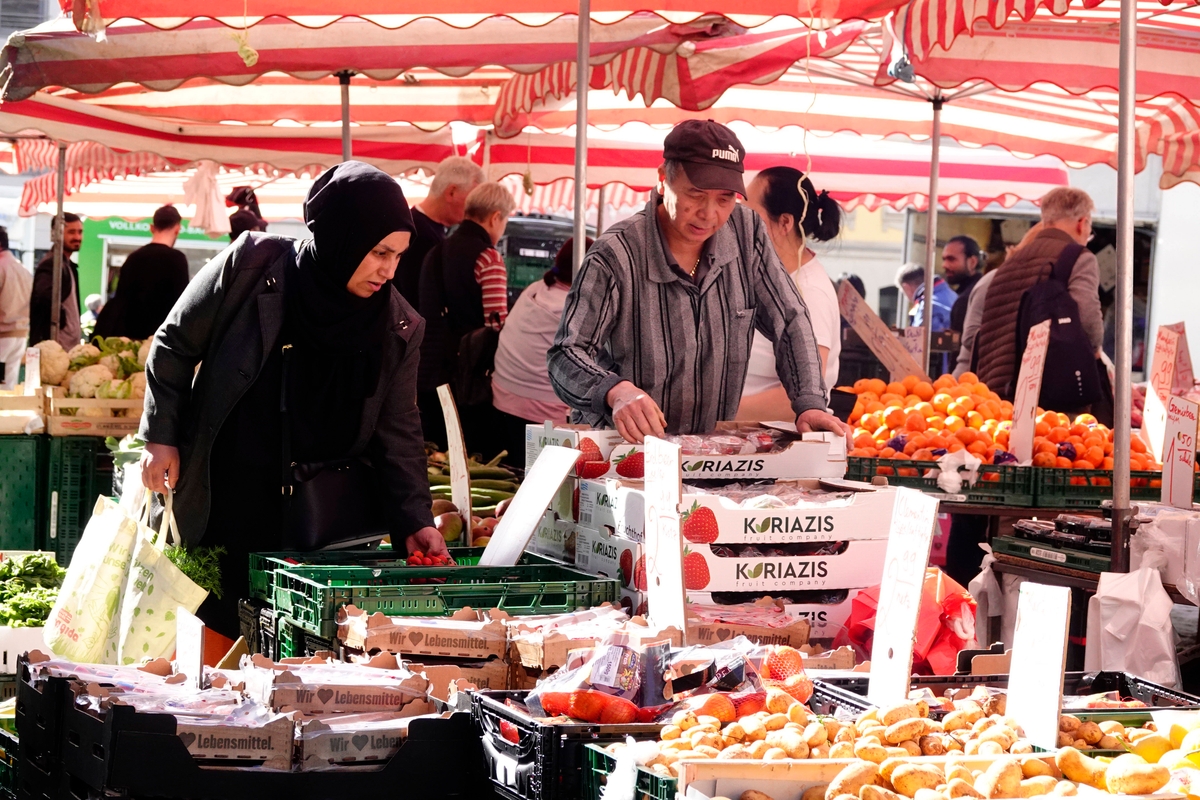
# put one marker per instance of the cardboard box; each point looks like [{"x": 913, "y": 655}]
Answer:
[
  {"x": 827, "y": 620},
  {"x": 550, "y": 650},
  {"x": 269, "y": 745},
  {"x": 290, "y": 687},
  {"x": 621, "y": 506},
  {"x": 815, "y": 455},
  {"x": 349, "y": 739},
  {"x": 538, "y": 437},
  {"x": 494, "y": 673},
  {"x": 554, "y": 538},
  {"x": 465, "y": 634},
  {"x": 635, "y": 602},
  {"x": 842, "y": 658},
  {"x": 794, "y": 635},
  {"x": 859, "y": 564},
  {"x": 601, "y": 552}
]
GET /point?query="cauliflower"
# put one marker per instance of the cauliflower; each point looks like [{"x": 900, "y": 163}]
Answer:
[
  {"x": 112, "y": 363},
  {"x": 55, "y": 362},
  {"x": 88, "y": 379},
  {"x": 113, "y": 390},
  {"x": 83, "y": 355},
  {"x": 137, "y": 385},
  {"x": 144, "y": 352},
  {"x": 66, "y": 381}
]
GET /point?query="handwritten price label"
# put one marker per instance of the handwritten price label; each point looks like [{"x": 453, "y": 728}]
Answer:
[
  {"x": 877, "y": 336},
  {"x": 1179, "y": 453},
  {"x": 664, "y": 540},
  {"x": 1162, "y": 376},
  {"x": 1029, "y": 388},
  {"x": 900, "y": 595},
  {"x": 1185, "y": 378},
  {"x": 1035, "y": 681}
]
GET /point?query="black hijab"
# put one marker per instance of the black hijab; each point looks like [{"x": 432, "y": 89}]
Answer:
[{"x": 337, "y": 337}]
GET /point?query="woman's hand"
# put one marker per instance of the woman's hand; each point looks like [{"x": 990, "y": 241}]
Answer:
[
  {"x": 160, "y": 461},
  {"x": 428, "y": 541}
]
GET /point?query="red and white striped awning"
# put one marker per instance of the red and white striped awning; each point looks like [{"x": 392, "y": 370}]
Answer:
[
  {"x": 854, "y": 172},
  {"x": 55, "y": 54}
]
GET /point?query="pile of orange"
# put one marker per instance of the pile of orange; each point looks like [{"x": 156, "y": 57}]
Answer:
[
  {"x": 917, "y": 420},
  {"x": 948, "y": 414}
]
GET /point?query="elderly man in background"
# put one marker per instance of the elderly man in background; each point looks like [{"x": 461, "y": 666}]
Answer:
[
  {"x": 656, "y": 332},
  {"x": 442, "y": 209}
]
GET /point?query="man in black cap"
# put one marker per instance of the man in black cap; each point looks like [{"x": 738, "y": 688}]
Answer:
[{"x": 655, "y": 336}]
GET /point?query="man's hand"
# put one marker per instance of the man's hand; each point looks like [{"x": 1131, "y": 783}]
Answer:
[
  {"x": 817, "y": 420},
  {"x": 634, "y": 413},
  {"x": 428, "y": 541},
  {"x": 160, "y": 461}
]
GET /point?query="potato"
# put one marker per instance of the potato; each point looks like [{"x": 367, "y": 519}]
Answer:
[
  {"x": 922, "y": 708},
  {"x": 982, "y": 724},
  {"x": 779, "y": 701},
  {"x": 1090, "y": 732},
  {"x": 753, "y": 795},
  {"x": 877, "y": 731},
  {"x": 870, "y": 715},
  {"x": 842, "y": 750},
  {"x": 733, "y": 733},
  {"x": 708, "y": 721},
  {"x": 816, "y": 734},
  {"x": 1112, "y": 727},
  {"x": 962, "y": 788},
  {"x": 971, "y": 748},
  {"x": 908, "y": 778},
  {"x": 754, "y": 728},
  {"x": 774, "y": 754},
  {"x": 955, "y": 720},
  {"x": 670, "y": 732},
  {"x": 707, "y": 752},
  {"x": 732, "y": 752},
  {"x": 833, "y": 728},
  {"x": 1032, "y": 787},
  {"x": 662, "y": 769},
  {"x": 893, "y": 714},
  {"x": 1001, "y": 734},
  {"x": 888, "y": 767},
  {"x": 713, "y": 740},
  {"x": 1110, "y": 743},
  {"x": 675, "y": 745},
  {"x": 775, "y": 722},
  {"x": 757, "y": 748},
  {"x": 1079, "y": 768},
  {"x": 685, "y": 720},
  {"x": 972, "y": 709},
  {"x": 959, "y": 772},
  {"x": 904, "y": 730},
  {"x": 852, "y": 778},
  {"x": 1130, "y": 774},
  {"x": 1068, "y": 723},
  {"x": 1034, "y": 767},
  {"x": 815, "y": 792},
  {"x": 931, "y": 794},
  {"x": 911, "y": 747},
  {"x": 798, "y": 713},
  {"x": 1065, "y": 789},
  {"x": 1001, "y": 779},
  {"x": 868, "y": 751},
  {"x": 794, "y": 745},
  {"x": 1021, "y": 747},
  {"x": 1065, "y": 739},
  {"x": 820, "y": 751},
  {"x": 989, "y": 748},
  {"x": 873, "y": 792}
]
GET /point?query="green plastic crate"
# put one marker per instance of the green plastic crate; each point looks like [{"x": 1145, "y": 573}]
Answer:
[
  {"x": 1062, "y": 556},
  {"x": 79, "y": 470},
  {"x": 312, "y": 596},
  {"x": 22, "y": 491},
  {"x": 997, "y": 484},
  {"x": 263, "y": 565},
  {"x": 600, "y": 764},
  {"x": 1088, "y": 488}
]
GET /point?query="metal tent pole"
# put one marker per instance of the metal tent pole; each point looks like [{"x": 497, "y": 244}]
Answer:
[
  {"x": 582, "y": 79},
  {"x": 344, "y": 80},
  {"x": 600, "y": 211},
  {"x": 56, "y": 287},
  {"x": 1123, "y": 362},
  {"x": 935, "y": 159}
]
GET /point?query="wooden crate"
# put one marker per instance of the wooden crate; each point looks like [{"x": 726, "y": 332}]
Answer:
[
  {"x": 59, "y": 423},
  {"x": 16, "y": 412}
]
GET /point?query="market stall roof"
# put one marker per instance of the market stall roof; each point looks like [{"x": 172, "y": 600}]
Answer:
[{"x": 854, "y": 172}]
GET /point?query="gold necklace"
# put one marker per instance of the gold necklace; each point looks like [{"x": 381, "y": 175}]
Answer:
[{"x": 695, "y": 267}]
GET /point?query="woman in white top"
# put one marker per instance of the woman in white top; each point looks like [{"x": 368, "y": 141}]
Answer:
[
  {"x": 521, "y": 389},
  {"x": 794, "y": 212}
]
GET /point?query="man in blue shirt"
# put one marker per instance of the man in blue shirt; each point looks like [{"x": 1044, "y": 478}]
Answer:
[{"x": 911, "y": 280}]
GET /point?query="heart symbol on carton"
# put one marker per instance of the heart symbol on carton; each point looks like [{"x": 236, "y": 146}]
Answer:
[
  {"x": 416, "y": 637},
  {"x": 188, "y": 739},
  {"x": 324, "y": 695},
  {"x": 722, "y": 634},
  {"x": 360, "y": 741}
]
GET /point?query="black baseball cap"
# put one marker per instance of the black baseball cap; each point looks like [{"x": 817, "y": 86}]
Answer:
[{"x": 712, "y": 156}]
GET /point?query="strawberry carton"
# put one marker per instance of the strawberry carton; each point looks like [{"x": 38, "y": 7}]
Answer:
[
  {"x": 605, "y": 553},
  {"x": 595, "y": 447},
  {"x": 554, "y": 538},
  {"x": 615, "y": 504},
  {"x": 783, "y": 568}
]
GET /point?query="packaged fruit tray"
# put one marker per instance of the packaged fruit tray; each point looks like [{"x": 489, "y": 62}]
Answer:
[
  {"x": 997, "y": 484},
  {"x": 1062, "y": 556},
  {"x": 1088, "y": 488},
  {"x": 311, "y": 596},
  {"x": 263, "y": 565}
]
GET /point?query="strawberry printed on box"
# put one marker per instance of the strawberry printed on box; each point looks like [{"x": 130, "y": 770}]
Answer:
[
  {"x": 814, "y": 455},
  {"x": 720, "y": 568},
  {"x": 594, "y": 446}
]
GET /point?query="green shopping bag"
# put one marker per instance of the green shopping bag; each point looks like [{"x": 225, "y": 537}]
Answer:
[
  {"x": 154, "y": 589},
  {"x": 85, "y": 615}
]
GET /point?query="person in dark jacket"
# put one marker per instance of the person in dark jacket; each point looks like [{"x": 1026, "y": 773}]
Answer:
[
  {"x": 151, "y": 281},
  {"x": 217, "y": 439},
  {"x": 963, "y": 262},
  {"x": 247, "y": 217},
  {"x": 70, "y": 331}
]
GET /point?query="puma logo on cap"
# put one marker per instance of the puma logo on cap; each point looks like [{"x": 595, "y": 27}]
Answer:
[{"x": 728, "y": 155}]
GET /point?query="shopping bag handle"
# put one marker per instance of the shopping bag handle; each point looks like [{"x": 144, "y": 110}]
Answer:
[{"x": 168, "y": 526}]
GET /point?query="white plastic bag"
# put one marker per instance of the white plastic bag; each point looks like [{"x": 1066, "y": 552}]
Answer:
[
  {"x": 1129, "y": 627},
  {"x": 85, "y": 615},
  {"x": 950, "y": 479},
  {"x": 989, "y": 599}
]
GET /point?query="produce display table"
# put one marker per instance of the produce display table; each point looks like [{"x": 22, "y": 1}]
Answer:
[{"x": 996, "y": 514}]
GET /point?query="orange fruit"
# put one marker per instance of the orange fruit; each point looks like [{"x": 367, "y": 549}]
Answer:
[
  {"x": 1048, "y": 417},
  {"x": 1064, "y": 463},
  {"x": 896, "y": 387},
  {"x": 909, "y": 382},
  {"x": 977, "y": 447},
  {"x": 924, "y": 409},
  {"x": 873, "y": 406},
  {"x": 1082, "y": 464},
  {"x": 912, "y": 401},
  {"x": 884, "y": 471},
  {"x": 1080, "y": 430},
  {"x": 986, "y": 438},
  {"x": 870, "y": 422},
  {"x": 941, "y": 401},
  {"x": 938, "y": 442},
  {"x": 943, "y": 382},
  {"x": 955, "y": 445},
  {"x": 922, "y": 390},
  {"x": 876, "y": 385},
  {"x": 887, "y": 452},
  {"x": 966, "y": 435},
  {"x": 894, "y": 417},
  {"x": 968, "y": 377},
  {"x": 889, "y": 399},
  {"x": 864, "y": 439},
  {"x": 1045, "y": 446},
  {"x": 1044, "y": 460},
  {"x": 954, "y": 423},
  {"x": 1057, "y": 434},
  {"x": 975, "y": 419},
  {"x": 924, "y": 454},
  {"x": 1094, "y": 455},
  {"x": 915, "y": 422},
  {"x": 936, "y": 423},
  {"x": 980, "y": 390},
  {"x": 1075, "y": 440},
  {"x": 1042, "y": 429},
  {"x": 1086, "y": 419},
  {"x": 1107, "y": 463},
  {"x": 861, "y": 385},
  {"x": 1136, "y": 444}
]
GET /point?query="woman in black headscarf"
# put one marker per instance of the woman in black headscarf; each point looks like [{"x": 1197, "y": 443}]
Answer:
[{"x": 306, "y": 356}]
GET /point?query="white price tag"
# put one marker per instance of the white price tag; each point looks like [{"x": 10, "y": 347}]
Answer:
[
  {"x": 664, "y": 539},
  {"x": 1162, "y": 377},
  {"x": 1179, "y": 453},
  {"x": 189, "y": 646},
  {"x": 877, "y": 336},
  {"x": 1039, "y": 656},
  {"x": 1028, "y": 389},
  {"x": 460, "y": 476},
  {"x": 900, "y": 593}
]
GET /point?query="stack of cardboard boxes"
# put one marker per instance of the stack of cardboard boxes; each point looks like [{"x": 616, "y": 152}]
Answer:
[{"x": 813, "y": 554}]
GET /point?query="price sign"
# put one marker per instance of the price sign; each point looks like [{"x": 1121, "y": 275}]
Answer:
[
  {"x": 664, "y": 538},
  {"x": 1185, "y": 378},
  {"x": 189, "y": 646},
  {"x": 460, "y": 476},
  {"x": 33, "y": 371},
  {"x": 1039, "y": 655},
  {"x": 914, "y": 343},
  {"x": 511, "y": 536},
  {"x": 1028, "y": 389},
  {"x": 1179, "y": 453},
  {"x": 877, "y": 336},
  {"x": 1162, "y": 376},
  {"x": 900, "y": 593}
]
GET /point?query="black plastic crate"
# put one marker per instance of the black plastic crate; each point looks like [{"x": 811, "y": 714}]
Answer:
[
  {"x": 268, "y": 637},
  {"x": 547, "y": 762},
  {"x": 39, "y": 716},
  {"x": 248, "y": 624}
]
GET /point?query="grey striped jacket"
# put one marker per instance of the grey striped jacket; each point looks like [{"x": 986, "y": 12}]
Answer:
[{"x": 628, "y": 316}]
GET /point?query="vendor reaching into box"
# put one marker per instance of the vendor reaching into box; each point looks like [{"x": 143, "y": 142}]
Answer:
[{"x": 656, "y": 333}]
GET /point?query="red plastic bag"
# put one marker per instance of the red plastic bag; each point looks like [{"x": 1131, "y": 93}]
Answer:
[{"x": 945, "y": 624}]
